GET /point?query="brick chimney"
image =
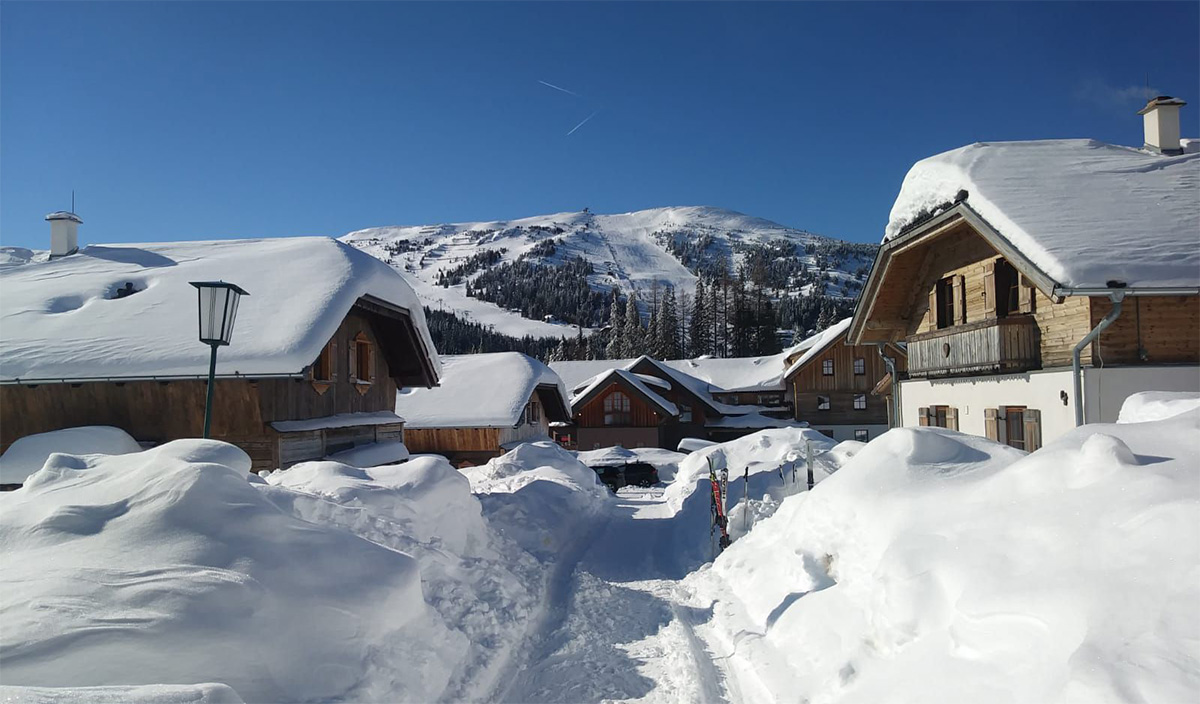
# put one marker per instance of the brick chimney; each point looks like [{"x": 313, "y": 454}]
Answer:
[
  {"x": 64, "y": 233},
  {"x": 1161, "y": 121}
]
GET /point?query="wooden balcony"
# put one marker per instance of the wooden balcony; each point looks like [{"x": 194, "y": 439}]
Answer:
[{"x": 1003, "y": 345}]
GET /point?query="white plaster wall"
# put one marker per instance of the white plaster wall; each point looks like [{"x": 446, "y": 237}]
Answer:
[
  {"x": 1104, "y": 390},
  {"x": 970, "y": 395},
  {"x": 846, "y": 432}
]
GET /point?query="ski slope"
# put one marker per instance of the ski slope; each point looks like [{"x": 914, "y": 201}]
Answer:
[{"x": 628, "y": 250}]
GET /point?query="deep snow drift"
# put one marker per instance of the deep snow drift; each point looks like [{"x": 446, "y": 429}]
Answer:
[
  {"x": 940, "y": 567},
  {"x": 27, "y": 455}
]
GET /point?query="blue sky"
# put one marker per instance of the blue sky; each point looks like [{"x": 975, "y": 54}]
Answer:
[{"x": 214, "y": 120}]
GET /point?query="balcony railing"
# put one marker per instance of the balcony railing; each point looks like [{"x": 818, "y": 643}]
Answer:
[{"x": 1001, "y": 345}]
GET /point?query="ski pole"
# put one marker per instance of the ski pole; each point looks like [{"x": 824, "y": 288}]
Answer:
[{"x": 746, "y": 500}]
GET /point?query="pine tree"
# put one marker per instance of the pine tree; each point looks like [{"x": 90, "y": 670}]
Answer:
[
  {"x": 668, "y": 327},
  {"x": 633, "y": 342},
  {"x": 653, "y": 340},
  {"x": 616, "y": 321},
  {"x": 698, "y": 325}
]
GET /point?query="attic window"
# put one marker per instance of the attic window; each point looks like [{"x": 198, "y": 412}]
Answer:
[
  {"x": 362, "y": 370},
  {"x": 860, "y": 366},
  {"x": 616, "y": 409},
  {"x": 827, "y": 367},
  {"x": 322, "y": 369},
  {"x": 533, "y": 413}
]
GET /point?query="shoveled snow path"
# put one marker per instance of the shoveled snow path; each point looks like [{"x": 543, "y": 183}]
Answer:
[{"x": 609, "y": 635}]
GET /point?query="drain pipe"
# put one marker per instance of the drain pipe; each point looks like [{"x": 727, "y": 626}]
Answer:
[
  {"x": 891, "y": 367},
  {"x": 1117, "y": 297}
]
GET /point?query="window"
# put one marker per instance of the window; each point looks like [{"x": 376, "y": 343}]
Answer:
[
  {"x": 322, "y": 369},
  {"x": 860, "y": 366},
  {"x": 827, "y": 368},
  {"x": 822, "y": 403},
  {"x": 616, "y": 409},
  {"x": 860, "y": 402},
  {"x": 944, "y": 306},
  {"x": 861, "y": 435},
  {"x": 360, "y": 360},
  {"x": 685, "y": 413},
  {"x": 938, "y": 417},
  {"x": 1014, "y": 426},
  {"x": 533, "y": 413},
  {"x": 1008, "y": 289}
]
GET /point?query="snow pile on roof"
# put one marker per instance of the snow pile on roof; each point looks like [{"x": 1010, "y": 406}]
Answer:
[
  {"x": 736, "y": 373},
  {"x": 1149, "y": 406},
  {"x": 27, "y": 455},
  {"x": 478, "y": 391},
  {"x": 373, "y": 454},
  {"x": 1082, "y": 211},
  {"x": 168, "y": 566},
  {"x": 818, "y": 343},
  {"x": 940, "y": 567},
  {"x": 61, "y": 319},
  {"x": 633, "y": 380}
]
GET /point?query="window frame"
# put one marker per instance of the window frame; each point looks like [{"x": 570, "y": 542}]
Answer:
[
  {"x": 322, "y": 368},
  {"x": 944, "y": 297},
  {"x": 857, "y": 398},
  {"x": 862, "y": 435},
  {"x": 824, "y": 403},
  {"x": 827, "y": 367},
  {"x": 1014, "y": 416},
  {"x": 860, "y": 366},
  {"x": 617, "y": 409}
]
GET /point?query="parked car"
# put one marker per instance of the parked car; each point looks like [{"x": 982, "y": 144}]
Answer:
[{"x": 611, "y": 477}]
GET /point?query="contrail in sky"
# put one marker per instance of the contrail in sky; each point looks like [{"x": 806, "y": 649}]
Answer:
[
  {"x": 568, "y": 92},
  {"x": 581, "y": 123}
]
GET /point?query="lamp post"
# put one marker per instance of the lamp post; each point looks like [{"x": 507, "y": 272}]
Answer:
[{"x": 218, "y": 304}]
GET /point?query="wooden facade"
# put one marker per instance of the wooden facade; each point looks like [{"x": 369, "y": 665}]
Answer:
[
  {"x": 244, "y": 409},
  {"x": 474, "y": 445},
  {"x": 827, "y": 389},
  {"x": 905, "y": 307}
]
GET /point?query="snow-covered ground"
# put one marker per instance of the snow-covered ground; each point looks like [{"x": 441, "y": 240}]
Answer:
[{"x": 926, "y": 566}]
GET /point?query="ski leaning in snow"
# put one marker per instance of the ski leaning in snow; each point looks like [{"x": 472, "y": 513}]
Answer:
[{"x": 719, "y": 519}]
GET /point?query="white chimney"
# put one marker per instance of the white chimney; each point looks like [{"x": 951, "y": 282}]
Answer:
[
  {"x": 64, "y": 233},
  {"x": 1161, "y": 121}
]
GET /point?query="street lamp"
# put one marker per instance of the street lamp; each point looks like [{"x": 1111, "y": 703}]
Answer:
[{"x": 218, "y": 306}]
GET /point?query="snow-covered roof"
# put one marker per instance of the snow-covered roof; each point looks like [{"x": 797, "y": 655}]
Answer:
[
  {"x": 818, "y": 343},
  {"x": 613, "y": 375},
  {"x": 1083, "y": 212},
  {"x": 61, "y": 321},
  {"x": 483, "y": 391},
  {"x": 735, "y": 373}
]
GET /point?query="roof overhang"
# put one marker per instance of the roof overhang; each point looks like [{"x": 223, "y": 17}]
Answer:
[
  {"x": 409, "y": 363},
  {"x": 552, "y": 401},
  {"x": 863, "y": 330}
]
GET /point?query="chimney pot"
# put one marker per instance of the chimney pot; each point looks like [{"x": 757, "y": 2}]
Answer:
[
  {"x": 64, "y": 233},
  {"x": 1160, "y": 119}
]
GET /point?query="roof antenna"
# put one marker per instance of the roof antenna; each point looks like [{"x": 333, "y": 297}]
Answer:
[{"x": 72, "y": 200}]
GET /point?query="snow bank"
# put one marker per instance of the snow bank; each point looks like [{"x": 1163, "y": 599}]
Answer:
[
  {"x": 1157, "y": 405},
  {"x": 539, "y": 495},
  {"x": 372, "y": 454},
  {"x": 168, "y": 566},
  {"x": 27, "y": 455},
  {"x": 940, "y": 567},
  {"x": 1070, "y": 205},
  {"x": 143, "y": 694}
]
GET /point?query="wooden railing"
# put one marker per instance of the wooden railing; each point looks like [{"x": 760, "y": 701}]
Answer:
[{"x": 1003, "y": 345}]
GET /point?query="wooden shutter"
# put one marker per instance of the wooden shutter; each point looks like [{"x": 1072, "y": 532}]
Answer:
[
  {"x": 952, "y": 418},
  {"x": 923, "y": 416},
  {"x": 1033, "y": 429},
  {"x": 990, "y": 295},
  {"x": 371, "y": 362},
  {"x": 333, "y": 359},
  {"x": 960, "y": 300},
  {"x": 1002, "y": 425},
  {"x": 352, "y": 355},
  {"x": 933, "y": 307},
  {"x": 991, "y": 424},
  {"x": 1025, "y": 294}
]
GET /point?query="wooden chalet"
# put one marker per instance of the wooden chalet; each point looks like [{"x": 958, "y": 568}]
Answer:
[
  {"x": 486, "y": 405},
  {"x": 320, "y": 346},
  {"x": 1039, "y": 285},
  {"x": 832, "y": 384}
]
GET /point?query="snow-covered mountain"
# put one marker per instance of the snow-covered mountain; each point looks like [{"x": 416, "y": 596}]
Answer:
[{"x": 455, "y": 267}]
